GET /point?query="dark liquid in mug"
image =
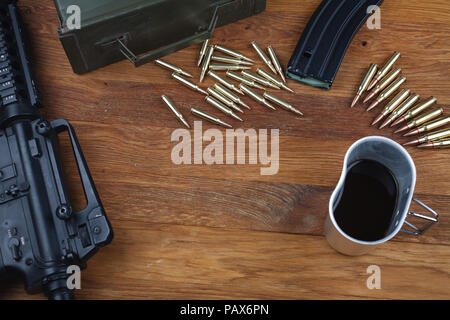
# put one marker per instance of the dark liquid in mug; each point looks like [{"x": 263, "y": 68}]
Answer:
[{"x": 367, "y": 203}]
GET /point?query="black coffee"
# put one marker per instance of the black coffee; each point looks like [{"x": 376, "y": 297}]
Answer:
[{"x": 367, "y": 203}]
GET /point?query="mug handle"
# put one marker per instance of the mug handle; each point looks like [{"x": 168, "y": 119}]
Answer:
[{"x": 431, "y": 220}]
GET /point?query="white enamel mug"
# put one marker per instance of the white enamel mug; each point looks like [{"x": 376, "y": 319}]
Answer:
[{"x": 393, "y": 156}]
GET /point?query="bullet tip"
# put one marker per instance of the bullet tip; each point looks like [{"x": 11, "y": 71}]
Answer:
[
  {"x": 402, "y": 129},
  {"x": 238, "y": 91},
  {"x": 369, "y": 96},
  {"x": 355, "y": 100},
  {"x": 289, "y": 89},
  {"x": 269, "y": 105},
  {"x": 298, "y": 112},
  {"x": 247, "y": 59},
  {"x": 381, "y": 116},
  {"x": 372, "y": 84},
  {"x": 186, "y": 124},
  {"x": 410, "y": 133},
  {"x": 411, "y": 143},
  {"x": 273, "y": 69},
  {"x": 272, "y": 85},
  {"x": 238, "y": 109},
  {"x": 425, "y": 145},
  {"x": 398, "y": 121},
  {"x": 373, "y": 105},
  {"x": 387, "y": 122},
  {"x": 245, "y": 105}
]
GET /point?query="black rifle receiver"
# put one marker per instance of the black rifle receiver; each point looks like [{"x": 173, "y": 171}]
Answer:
[{"x": 40, "y": 234}]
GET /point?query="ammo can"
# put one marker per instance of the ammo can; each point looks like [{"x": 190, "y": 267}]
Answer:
[{"x": 97, "y": 33}]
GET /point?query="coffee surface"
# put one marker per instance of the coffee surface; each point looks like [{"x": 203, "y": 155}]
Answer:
[{"x": 367, "y": 203}]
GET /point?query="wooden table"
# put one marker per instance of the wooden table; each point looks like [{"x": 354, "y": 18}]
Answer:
[{"x": 226, "y": 231}]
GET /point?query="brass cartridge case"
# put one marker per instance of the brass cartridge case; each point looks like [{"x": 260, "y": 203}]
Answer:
[
  {"x": 263, "y": 56},
  {"x": 255, "y": 96},
  {"x": 281, "y": 103},
  {"x": 276, "y": 63},
  {"x": 175, "y": 111},
  {"x": 172, "y": 67},
  {"x": 201, "y": 114}
]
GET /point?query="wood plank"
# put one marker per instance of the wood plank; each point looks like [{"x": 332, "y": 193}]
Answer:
[
  {"x": 225, "y": 231},
  {"x": 260, "y": 206},
  {"x": 312, "y": 161},
  {"x": 171, "y": 262}
]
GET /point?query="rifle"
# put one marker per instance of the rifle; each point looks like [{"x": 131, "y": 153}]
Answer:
[{"x": 40, "y": 234}]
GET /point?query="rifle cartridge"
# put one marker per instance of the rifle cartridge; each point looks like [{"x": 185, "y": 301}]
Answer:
[
  {"x": 206, "y": 61},
  {"x": 175, "y": 111},
  {"x": 229, "y": 103},
  {"x": 437, "y": 135},
  {"x": 401, "y": 109},
  {"x": 440, "y": 122},
  {"x": 416, "y": 110},
  {"x": 202, "y": 52},
  {"x": 232, "y": 53},
  {"x": 365, "y": 83},
  {"x": 385, "y": 69},
  {"x": 271, "y": 78},
  {"x": 386, "y": 93},
  {"x": 430, "y": 115},
  {"x": 225, "y": 82},
  {"x": 188, "y": 83},
  {"x": 383, "y": 83},
  {"x": 281, "y": 103},
  {"x": 394, "y": 103},
  {"x": 243, "y": 80},
  {"x": 256, "y": 96},
  {"x": 172, "y": 67},
  {"x": 227, "y": 67},
  {"x": 263, "y": 56},
  {"x": 221, "y": 107},
  {"x": 440, "y": 144},
  {"x": 225, "y": 92},
  {"x": 276, "y": 63},
  {"x": 259, "y": 80},
  {"x": 201, "y": 114},
  {"x": 230, "y": 60}
]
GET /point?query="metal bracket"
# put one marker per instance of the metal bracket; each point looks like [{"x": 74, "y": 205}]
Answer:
[
  {"x": 431, "y": 220},
  {"x": 160, "y": 52}
]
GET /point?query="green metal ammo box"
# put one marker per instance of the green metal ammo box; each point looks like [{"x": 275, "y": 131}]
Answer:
[{"x": 140, "y": 30}]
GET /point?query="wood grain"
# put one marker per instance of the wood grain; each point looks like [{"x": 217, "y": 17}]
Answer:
[
  {"x": 161, "y": 261},
  {"x": 225, "y": 231}
]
